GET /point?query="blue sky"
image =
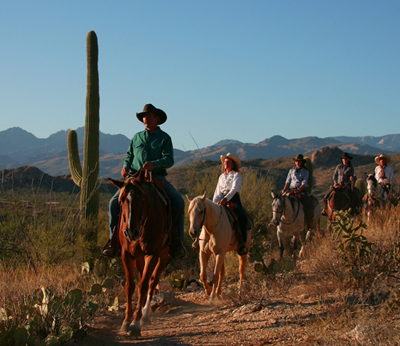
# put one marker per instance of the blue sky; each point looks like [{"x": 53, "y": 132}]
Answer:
[{"x": 244, "y": 70}]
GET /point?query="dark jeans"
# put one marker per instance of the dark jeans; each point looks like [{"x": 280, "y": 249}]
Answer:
[
  {"x": 242, "y": 218},
  {"x": 177, "y": 203}
]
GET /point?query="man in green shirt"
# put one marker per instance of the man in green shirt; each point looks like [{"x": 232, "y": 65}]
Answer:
[{"x": 152, "y": 150}]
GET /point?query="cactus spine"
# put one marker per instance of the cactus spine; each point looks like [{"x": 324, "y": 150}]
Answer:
[{"x": 87, "y": 176}]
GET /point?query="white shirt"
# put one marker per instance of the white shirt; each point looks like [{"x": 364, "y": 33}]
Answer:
[
  {"x": 228, "y": 185},
  {"x": 388, "y": 173}
]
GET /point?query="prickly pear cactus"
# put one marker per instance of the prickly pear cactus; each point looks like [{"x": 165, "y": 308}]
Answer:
[{"x": 86, "y": 177}]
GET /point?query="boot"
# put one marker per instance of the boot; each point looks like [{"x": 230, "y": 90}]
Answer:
[
  {"x": 112, "y": 248},
  {"x": 177, "y": 250},
  {"x": 242, "y": 250}
]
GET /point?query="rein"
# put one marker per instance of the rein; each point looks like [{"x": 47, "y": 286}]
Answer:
[
  {"x": 204, "y": 217},
  {"x": 144, "y": 217},
  {"x": 297, "y": 214}
]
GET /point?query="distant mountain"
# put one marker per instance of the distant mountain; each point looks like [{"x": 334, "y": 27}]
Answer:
[
  {"x": 384, "y": 143},
  {"x": 21, "y": 148},
  {"x": 324, "y": 162}
]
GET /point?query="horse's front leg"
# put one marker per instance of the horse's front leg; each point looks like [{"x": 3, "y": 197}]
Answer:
[
  {"x": 204, "y": 256},
  {"x": 155, "y": 278},
  {"x": 129, "y": 265},
  {"x": 219, "y": 262},
  {"x": 281, "y": 239},
  {"x": 143, "y": 287}
]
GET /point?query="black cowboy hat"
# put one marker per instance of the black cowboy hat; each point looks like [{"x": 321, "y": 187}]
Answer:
[
  {"x": 149, "y": 108},
  {"x": 347, "y": 156},
  {"x": 299, "y": 157}
]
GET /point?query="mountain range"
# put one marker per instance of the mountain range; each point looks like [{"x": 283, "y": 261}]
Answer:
[{"x": 21, "y": 148}]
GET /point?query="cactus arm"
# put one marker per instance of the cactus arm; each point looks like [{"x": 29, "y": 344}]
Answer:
[{"x": 73, "y": 158}]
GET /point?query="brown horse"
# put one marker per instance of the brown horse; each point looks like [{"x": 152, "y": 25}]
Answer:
[
  {"x": 144, "y": 229},
  {"x": 340, "y": 200}
]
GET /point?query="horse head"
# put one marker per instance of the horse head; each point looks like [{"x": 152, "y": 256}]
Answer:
[
  {"x": 278, "y": 205},
  {"x": 197, "y": 214},
  {"x": 133, "y": 200}
]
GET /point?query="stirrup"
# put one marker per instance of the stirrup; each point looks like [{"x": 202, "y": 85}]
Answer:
[
  {"x": 108, "y": 250},
  {"x": 242, "y": 250}
]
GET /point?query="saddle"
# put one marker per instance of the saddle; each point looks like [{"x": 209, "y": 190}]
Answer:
[{"x": 234, "y": 220}]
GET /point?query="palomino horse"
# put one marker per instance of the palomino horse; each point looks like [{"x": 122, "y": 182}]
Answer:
[
  {"x": 210, "y": 222},
  {"x": 144, "y": 228},
  {"x": 289, "y": 218}
]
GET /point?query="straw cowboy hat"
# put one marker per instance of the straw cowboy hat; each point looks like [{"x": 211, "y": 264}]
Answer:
[
  {"x": 234, "y": 158},
  {"x": 149, "y": 108},
  {"x": 347, "y": 156},
  {"x": 299, "y": 157},
  {"x": 382, "y": 156}
]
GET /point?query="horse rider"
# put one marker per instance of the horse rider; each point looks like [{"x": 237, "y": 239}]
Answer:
[
  {"x": 150, "y": 149},
  {"x": 383, "y": 172},
  {"x": 297, "y": 182},
  {"x": 342, "y": 177},
  {"x": 227, "y": 194}
]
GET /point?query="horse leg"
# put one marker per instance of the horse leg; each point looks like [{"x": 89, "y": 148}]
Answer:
[
  {"x": 219, "y": 262},
  {"x": 302, "y": 242},
  {"x": 129, "y": 265},
  {"x": 203, "y": 258},
  {"x": 149, "y": 265},
  {"x": 155, "y": 278},
  {"x": 279, "y": 234},
  {"x": 242, "y": 268},
  {"x": 221, "y": 278}
]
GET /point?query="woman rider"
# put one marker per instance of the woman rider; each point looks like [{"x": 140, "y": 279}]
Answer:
[{"x": 227, "y": 192}]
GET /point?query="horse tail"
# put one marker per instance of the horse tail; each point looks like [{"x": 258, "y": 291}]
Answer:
[{"x": 309, "y": 167}]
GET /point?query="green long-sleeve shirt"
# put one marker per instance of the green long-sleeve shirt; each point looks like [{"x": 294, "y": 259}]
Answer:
[{"x": 155, "y": 147}]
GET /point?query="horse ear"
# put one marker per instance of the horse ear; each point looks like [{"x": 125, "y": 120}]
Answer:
[
  {"x": 273, "y": 194},
  {"x": 204, "y": 196},
  {"x": 117, "y": 183},
  {"x": 187, "y": 197}
]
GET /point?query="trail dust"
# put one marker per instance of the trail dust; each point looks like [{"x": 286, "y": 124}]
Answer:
[{"x": 191, "y": 320}]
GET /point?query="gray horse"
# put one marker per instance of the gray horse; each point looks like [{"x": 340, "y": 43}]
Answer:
[{"x": 289, "y": 218}]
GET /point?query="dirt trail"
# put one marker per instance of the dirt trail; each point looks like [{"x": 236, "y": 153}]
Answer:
[{"x": 191, "y": 320}]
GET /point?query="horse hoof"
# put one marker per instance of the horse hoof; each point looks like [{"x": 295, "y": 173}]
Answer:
[
  {"x": 145, "y": 321},
  {"x": 133, "y": 331},
  {"x": 124, "y": 327}
]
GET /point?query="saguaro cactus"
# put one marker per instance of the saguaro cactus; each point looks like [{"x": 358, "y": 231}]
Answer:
[{"x": 87, "y": 176}]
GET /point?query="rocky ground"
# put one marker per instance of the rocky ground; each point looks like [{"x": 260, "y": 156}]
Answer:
[{"x": 189, "y": 319}]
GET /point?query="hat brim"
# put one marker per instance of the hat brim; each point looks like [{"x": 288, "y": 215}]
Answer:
[
  {"x": 382, "y": 157},
  {"x": 233, "y": 158},
  {"x": 162, "y": 117}
]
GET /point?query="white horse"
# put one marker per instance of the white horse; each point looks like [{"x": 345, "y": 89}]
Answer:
[
  {"x": 289, "y": 218},
  {"x": 376, "y": 196},
  {"x": 210, "y": 222}
]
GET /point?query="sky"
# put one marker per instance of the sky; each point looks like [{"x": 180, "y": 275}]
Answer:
[{"x": 244, "y": 70}]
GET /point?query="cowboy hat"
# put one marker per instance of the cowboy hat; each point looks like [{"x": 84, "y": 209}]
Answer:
[
  {"x": 299, "y": 157},
  {"x": 347, "y": 156},
  {"x": 234, "y": 158},
  {"x": 149, "y": 108},
  {"x": 382, "y": 156}
]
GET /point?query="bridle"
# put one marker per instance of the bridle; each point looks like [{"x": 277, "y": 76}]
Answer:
[
  {"x": 144, "y": 218},
  {"x": 205, "y": 214},
  {"x": 282, "y": 207}
]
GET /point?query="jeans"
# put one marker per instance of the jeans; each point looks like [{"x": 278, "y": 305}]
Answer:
[{"x": 177, "y": 204}]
